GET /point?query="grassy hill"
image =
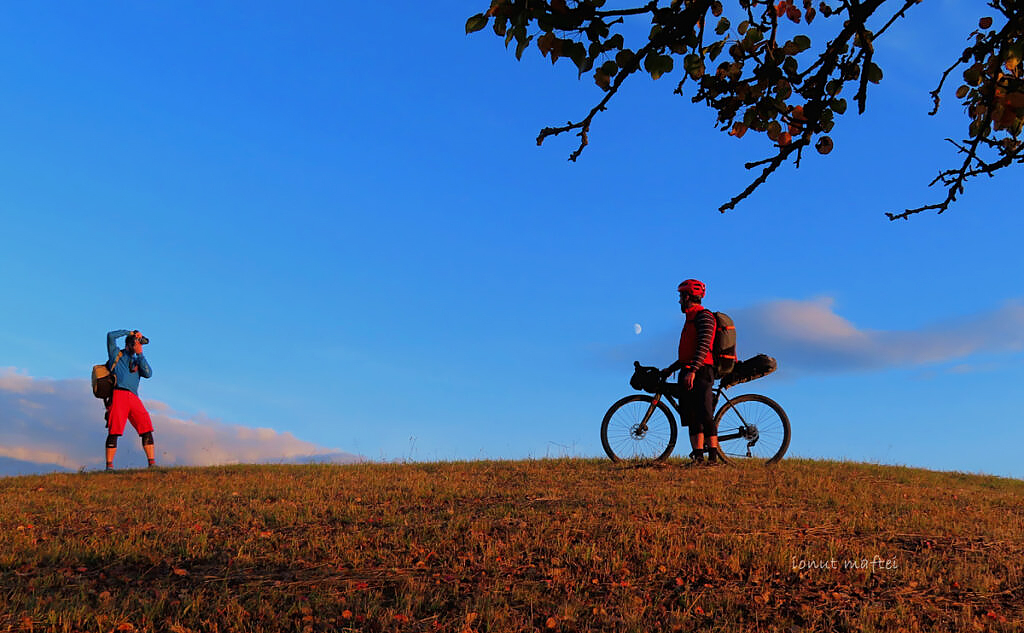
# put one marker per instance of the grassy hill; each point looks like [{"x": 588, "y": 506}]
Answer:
[{"x": 560, "y": 545}]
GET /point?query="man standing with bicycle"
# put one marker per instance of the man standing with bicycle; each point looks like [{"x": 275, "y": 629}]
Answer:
[{"x": 697, "y": 377}]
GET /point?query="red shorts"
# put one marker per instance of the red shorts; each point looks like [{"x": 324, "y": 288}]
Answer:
[{"x": 127, "y": 406}]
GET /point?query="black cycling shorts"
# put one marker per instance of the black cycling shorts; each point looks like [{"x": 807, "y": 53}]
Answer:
[{"x": 697, "y": 405}]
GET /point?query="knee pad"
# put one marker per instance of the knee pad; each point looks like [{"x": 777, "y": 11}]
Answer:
[
  {"x": 147, "y": 438},
  {"x": 111, "y": 441}
]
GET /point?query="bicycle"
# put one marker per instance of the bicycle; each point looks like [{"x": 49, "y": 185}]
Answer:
[{"x": 642, "y": 427}]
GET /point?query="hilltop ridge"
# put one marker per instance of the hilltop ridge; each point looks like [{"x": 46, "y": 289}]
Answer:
[{"x": 546, "y": 545}]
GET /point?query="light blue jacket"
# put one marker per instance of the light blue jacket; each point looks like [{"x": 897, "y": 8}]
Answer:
[{"x": 130, "y": 367}]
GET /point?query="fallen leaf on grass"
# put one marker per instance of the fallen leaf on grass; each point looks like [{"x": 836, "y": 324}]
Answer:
[{"x": 180, "y": 572}]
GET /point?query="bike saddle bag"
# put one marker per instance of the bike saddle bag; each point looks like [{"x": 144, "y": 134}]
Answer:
[{"x": 750, "y": 369}]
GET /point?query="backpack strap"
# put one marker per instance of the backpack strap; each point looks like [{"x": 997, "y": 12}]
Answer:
[{"x": 116, "y": 359}]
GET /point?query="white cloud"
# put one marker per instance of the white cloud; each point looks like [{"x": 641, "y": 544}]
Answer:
[
  {"x": 810, "y": 336},
  {"x": 11, "y": 380},
  {"x": 59, "y": 422}
]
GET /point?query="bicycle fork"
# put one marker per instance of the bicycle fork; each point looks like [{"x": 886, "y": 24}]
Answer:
[{"x": 642, "y": 427}]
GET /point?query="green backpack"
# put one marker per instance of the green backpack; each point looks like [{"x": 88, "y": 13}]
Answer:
[{"x": 723, "y": 351}]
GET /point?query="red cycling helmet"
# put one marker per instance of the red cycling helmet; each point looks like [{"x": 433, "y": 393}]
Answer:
[{"x": 693, "y": 287}]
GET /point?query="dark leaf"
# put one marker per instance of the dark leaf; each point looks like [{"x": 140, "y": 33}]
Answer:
[
  {"x": 476, "y": 23},
  {"x": 873, "y": 72},
  {"x": 658, "y": 65},
  {"x": 715, "y": 49},
  {"x": 545, "y": 43},
  {"x": 973, "y": 75},
  {"x": 783, "y": 89},
  {"x": 523, "y": 44},
  {"x": 694, "y": 66}
]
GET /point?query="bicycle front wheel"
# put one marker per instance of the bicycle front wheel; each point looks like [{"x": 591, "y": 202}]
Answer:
[
  {"x": 752, "y": 426},
  {"x": 627, "y": 436}
]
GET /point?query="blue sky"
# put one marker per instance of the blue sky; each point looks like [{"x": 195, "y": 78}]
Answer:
[{"x": 334, "y": 224}]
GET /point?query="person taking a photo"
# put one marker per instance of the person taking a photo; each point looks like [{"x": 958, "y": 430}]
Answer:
[{"x": 128, "y": 366}]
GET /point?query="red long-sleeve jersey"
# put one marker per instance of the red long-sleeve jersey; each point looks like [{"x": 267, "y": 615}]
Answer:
[{"x": 696, "y": 339}]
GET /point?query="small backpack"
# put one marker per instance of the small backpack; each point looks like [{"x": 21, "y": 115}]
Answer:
[
  {"x": 103, "y": 379},
  {"x": 723, "y": 351}
]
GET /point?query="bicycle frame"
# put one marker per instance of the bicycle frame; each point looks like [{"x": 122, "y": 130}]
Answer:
[{"x": 718, "y": 393}]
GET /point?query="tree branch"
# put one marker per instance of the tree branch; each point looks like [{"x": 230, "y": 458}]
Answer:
[
  {"x": 650, "y": 7},
  {"x": 584, "y": 125},
  {"x": 953, "y": 179},
  {"x": 773, "y": 164}
]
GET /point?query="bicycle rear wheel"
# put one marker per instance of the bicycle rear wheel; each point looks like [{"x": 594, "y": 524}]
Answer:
[
  {"x": 625, "y": 437},
  {"x": 752, "y": 426}
]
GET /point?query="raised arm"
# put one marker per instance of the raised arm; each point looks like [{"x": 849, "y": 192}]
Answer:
[{"x": 112, "y": 341}]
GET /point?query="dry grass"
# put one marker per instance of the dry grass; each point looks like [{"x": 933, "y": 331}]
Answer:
[{"x": 563, "y": 545}]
